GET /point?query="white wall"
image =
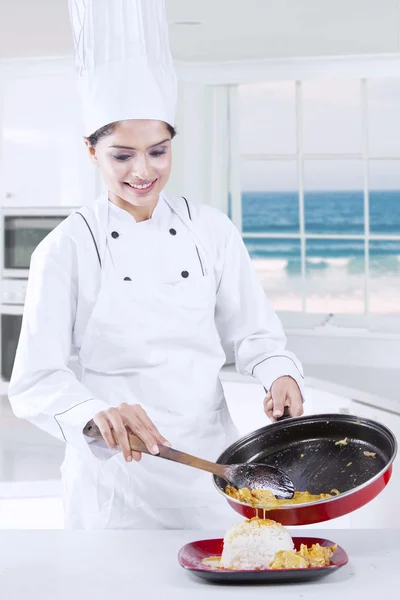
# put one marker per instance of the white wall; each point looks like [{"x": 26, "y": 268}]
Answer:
[
  {"x": 43, "y": 161},
  {"x": 188, "y": 177},
  {"x": 200, "y": 150}
]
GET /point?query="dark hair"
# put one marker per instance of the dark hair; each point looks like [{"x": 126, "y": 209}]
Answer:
[{"x": 109, "y": 129}]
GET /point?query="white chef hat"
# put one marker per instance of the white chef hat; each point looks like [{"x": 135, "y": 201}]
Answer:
[{"x": 123, "y": 60}]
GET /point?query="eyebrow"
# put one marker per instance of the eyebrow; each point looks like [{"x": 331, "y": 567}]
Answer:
[{"x": 130, "y": 147}]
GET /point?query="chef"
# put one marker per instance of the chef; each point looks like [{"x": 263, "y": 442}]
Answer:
[{"x": 150, "y": 292}]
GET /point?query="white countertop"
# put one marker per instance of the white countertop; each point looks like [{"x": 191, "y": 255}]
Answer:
[
  {"x": 107, "y": 565},
  {"x": 229, "y": 374}
]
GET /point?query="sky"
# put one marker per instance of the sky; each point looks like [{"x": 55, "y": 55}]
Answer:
[{"x": 332, "y": 124}]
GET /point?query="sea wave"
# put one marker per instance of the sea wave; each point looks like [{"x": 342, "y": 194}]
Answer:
[
  {"x": 329, "y": 262},
  {"x": 275, "y": 264},
  {"x": 270, "y": 264}
]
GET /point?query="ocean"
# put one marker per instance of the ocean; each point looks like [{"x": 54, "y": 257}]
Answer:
[
  {"x": 335, "y": 268},
  {"x": 338, "y": 213}
]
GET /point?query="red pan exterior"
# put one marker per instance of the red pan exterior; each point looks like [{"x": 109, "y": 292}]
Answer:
[
  {"x": 331, "y": 508},
  {"x": 317, "y": 512}
]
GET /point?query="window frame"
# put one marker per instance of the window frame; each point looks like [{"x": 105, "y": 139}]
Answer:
[{"x": 298, "y": 71}]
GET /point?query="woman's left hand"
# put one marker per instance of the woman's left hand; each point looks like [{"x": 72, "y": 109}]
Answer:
[{"x": 284, "y": 393}]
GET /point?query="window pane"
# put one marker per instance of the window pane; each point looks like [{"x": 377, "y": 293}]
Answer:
[
  {"x": 333, "y": 196},
  {"x": 384, "y": 197},
  {"x": 332, "y": 118},
  {"x": 267, "y": 118},
  {"x": 335, "y": 276},
  {"x": 269, "y": 196},
  {"x": 383, "y": 116},
  {"x": 278, "y": 265},
  {"x": 384, "y": 276}
]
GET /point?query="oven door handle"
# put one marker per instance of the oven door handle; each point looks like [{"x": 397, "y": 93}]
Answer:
[{"x": 11, "y": 309}]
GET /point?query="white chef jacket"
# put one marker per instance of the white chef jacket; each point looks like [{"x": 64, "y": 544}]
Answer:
[{"x": 64, "y": 283}]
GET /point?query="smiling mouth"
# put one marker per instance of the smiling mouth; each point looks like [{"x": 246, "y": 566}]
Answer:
[{"x": 141, "y": 186}]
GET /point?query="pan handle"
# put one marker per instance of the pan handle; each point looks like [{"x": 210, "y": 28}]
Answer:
[{"x": 286, "y": 415}]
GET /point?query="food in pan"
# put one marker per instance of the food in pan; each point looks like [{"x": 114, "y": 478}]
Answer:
[
  {"x": 259, "y": 544},
  {"x": 342, "y": 442},
  {"x": 370, "y": 454},
  {"x": 267, "y": 500}
]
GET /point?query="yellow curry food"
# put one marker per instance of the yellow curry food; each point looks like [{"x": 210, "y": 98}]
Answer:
[
  {"x": 267, "y": 500},
  {"x": 305, "y": 558}
]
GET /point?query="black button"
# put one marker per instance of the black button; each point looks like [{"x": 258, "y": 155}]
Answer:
[
  {"x": 172, "y": 231},
  {"x": 185, "y": 274},
  {"x": 115, "y": 234},
  {"x": 127, "y": 279}
]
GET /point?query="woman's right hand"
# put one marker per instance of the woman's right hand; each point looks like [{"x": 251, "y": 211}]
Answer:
[{"x": 126, "y": 417}]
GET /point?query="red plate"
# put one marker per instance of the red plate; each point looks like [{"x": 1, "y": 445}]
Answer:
[{"x": 191, "y": 555}]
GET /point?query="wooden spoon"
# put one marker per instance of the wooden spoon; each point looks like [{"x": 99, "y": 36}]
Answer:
[{"x": 247, "y": 475}]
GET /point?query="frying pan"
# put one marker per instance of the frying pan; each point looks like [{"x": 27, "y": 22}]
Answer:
[{"x": 305, "y": 448}]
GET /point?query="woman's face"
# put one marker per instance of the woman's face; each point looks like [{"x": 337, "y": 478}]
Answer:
[{"x": 135, "y": 161}]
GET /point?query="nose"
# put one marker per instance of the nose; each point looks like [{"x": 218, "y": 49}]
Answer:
[{"x": 141, "y": 168}]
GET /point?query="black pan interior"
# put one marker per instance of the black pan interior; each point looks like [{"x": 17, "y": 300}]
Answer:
[{"x": 306, "y": 449}]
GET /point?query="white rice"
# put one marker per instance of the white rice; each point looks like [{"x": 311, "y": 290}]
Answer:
[{"x": 253, "y": 544}]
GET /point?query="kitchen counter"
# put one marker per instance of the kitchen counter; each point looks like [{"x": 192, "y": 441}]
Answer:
[
  {"x": 326, "y": 378},
  {"x": 105, "y": 565}
]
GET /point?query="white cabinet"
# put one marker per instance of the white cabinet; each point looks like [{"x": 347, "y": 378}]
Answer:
[{"x": 43, "y": 160}]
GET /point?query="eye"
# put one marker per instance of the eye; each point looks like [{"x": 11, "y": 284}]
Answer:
[
  {"x": 157, "y": 153},
  {"x": 121, "y": 157}
]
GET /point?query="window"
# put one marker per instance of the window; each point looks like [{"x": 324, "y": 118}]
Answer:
[{"x": 320, "y": 192}]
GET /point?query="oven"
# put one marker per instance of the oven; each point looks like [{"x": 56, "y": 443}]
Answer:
[
  {"x": 21, "y": 230},
  {"x": 11, "y": 321}
]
